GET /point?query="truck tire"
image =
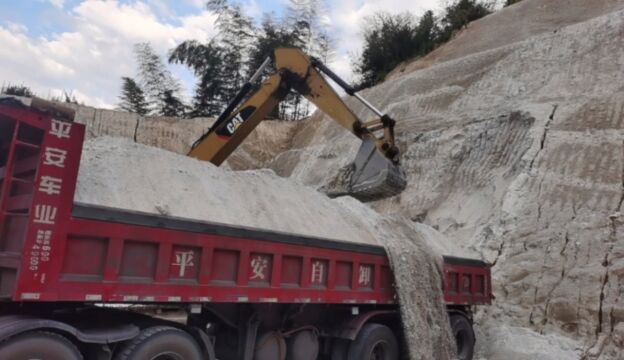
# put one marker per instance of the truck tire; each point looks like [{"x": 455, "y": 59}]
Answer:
[
  {"x": 374, "y": 342},
  {"x": 41, "y": 345},
  {"x": 464, "y": 336},
  {"x": 161, "y": 343}
]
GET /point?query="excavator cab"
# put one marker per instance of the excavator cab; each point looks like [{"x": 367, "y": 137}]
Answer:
[{"x": 375, "y": 172}]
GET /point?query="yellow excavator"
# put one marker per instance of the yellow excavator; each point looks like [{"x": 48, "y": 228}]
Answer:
[{"x": 374, "y": 174}]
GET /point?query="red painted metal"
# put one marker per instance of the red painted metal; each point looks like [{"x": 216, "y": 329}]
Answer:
[
  {"x": 58, "y": 257},
  {"x": 467, "y": 284}
]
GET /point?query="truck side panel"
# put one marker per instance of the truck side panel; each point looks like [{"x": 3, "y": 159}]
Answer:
[
  {"x": 467, "y": 282},
  {"x": 106, "y": 261},
  {"x": 41, "y": 153}
]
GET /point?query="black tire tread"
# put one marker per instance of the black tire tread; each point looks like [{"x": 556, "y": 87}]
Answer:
[
  {"x": 49, "y": 334},
  {"x": 365, "y": 334},
  {"x": 129, "y": 348},
  {"x": 463, "y": 321}
]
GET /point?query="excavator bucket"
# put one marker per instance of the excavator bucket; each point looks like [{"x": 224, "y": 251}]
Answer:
[{"x": 374, "y": 175}]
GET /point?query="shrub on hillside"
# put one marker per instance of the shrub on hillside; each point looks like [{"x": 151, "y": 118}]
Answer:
[{"x": 391, "y": 39}]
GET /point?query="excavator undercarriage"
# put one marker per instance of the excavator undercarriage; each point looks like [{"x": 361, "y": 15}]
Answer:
[{"x": 374, "y": 174}]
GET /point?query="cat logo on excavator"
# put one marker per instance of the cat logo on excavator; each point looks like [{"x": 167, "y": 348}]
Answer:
[{"x": 231, "y": 126}]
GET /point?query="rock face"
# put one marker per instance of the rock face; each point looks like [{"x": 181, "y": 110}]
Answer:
[{"x": 516, "y": 151}]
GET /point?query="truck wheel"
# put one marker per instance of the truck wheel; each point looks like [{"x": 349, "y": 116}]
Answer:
[
  {"x": 374, "y": 342},
  {"x": 464, "y": 336},
  {"x": 161, "y": 343},
  {"x": 39, "y": 345}
]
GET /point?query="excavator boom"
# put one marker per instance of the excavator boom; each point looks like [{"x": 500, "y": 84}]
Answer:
[{"x": 375, "y": 172}]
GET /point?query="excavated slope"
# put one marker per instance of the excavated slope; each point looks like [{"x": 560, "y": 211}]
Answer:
[{"x": 513, "y": 140}]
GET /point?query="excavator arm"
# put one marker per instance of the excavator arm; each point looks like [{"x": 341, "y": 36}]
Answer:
[{"x": 375, "y": 172}]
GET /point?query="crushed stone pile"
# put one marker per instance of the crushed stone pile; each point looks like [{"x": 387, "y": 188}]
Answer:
[{"x": 119, "y": 173}]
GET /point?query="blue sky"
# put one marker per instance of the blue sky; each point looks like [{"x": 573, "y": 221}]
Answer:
[
  {"x": 47, "y": 17},
  {"x": 85, "y": 46}
]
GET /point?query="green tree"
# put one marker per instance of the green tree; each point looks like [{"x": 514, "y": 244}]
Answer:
[
  {"x": 271, "y": 36},
  {"x": 392, "y": 39},
  {"x": 171, "y": 105},
  {"x": 206, "y": 62},
  {"x": 155, "y": 79},
  {"x": 223, "y": 64},
  {"x": 427, "y": 33},
  {"x": 388, "y": 40},
  {"x": 304, "y": 28},
  {"x": 235, "y": 38},
  {"x": 17, "y": 90},
  {"x": 132, "y": 97},
  {"x": 220, "y": 65},
  {"x": 69, "y": 97},
  {"x": 304, "y": 20},
  {"x": 458, "y": 14}
]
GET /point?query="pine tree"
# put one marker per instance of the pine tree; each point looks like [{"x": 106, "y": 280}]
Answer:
[
  {"x": 154, "y": 78},
  {"x": 132, "y": 97}
]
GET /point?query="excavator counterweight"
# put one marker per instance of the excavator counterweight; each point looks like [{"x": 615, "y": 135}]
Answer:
[{"x": 374, "y": 174}]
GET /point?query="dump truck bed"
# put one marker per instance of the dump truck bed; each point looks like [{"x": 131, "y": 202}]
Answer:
[{"x": 54, "y": 250}]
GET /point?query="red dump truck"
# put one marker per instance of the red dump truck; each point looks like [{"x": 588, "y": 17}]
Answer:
[{"x": 85, "y": 282}]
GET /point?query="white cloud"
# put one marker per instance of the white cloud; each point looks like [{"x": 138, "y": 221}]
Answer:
[
  {"x": 89, "y": 60},
  {"x": 57, "y": 3},
  {"x": 15, "y": 27}
]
